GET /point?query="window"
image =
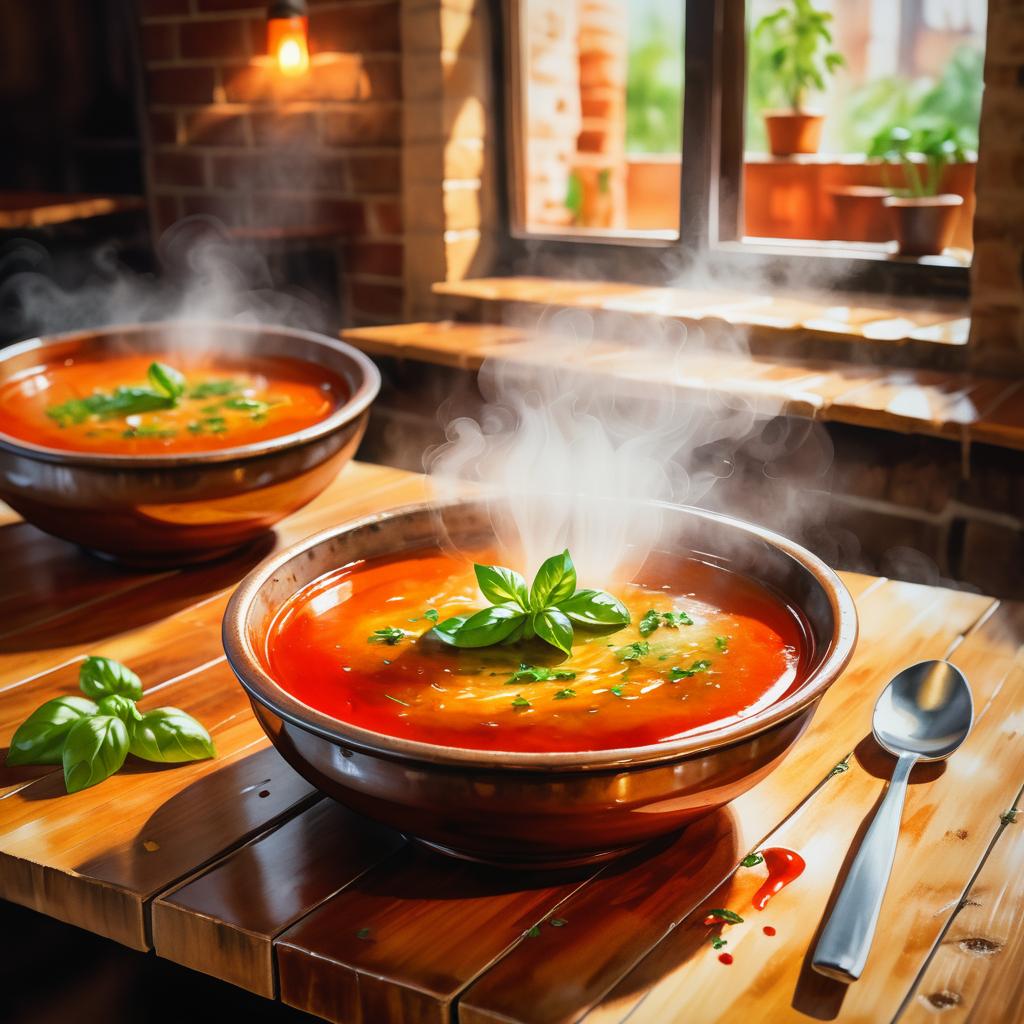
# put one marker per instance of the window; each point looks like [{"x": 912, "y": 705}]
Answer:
[{"x": 642, "y": 123}]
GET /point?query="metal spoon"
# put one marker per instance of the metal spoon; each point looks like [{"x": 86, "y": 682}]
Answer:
[{"x": 924, "y": 714}]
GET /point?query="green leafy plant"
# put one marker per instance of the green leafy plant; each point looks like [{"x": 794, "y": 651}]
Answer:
[
  {"x": 92, "y": 737},
  {"x": 548, "y": 610},
  {"x": 923, "y": 154},
  {"x": 167, "y": 386},
  {"x": 654, "y": 82},
  {"x": 791, "y": 53}
]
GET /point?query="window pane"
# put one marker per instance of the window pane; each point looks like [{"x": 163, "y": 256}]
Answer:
[
  {"x": 890, "y": 106},
  {"x": 599, "y": 118}
]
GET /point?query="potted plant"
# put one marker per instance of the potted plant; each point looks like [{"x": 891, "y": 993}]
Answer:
[
  {"x": 791, "y": 55},
  {"x": 924, "y": 218}
]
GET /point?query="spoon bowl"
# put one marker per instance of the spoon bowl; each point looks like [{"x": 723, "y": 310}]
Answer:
[{"x": 926, "y": 710}]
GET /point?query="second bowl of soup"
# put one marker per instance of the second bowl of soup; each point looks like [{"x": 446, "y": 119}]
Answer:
[
  {"x": 158, "y": 444},
  {"x": 520, "y": 752}
]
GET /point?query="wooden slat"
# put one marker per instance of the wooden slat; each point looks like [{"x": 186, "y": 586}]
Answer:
[
  {"x": 618, "y": 921},
  {"x": 95, "y": 858},
  {"x": 222, "y": 924},
  {"x": 943, "y": 839},
  {"x": 977, "y": 973},
  {"x": 431, "y": 924}
]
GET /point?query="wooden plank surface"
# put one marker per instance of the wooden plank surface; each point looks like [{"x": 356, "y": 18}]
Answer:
[{"x": 236, "y": 867}]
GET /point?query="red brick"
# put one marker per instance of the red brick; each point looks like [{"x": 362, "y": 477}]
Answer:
[
  {"x": 165, "y": 212},
  {"x": 382, "y": 259},
  {"x": 232, "y": 210},
  {"x": 177, "y": 168},
  {"x": 163, "y": 128},
  {"x": 375, "y": 172},
  {"x": 160, "y": 8},
  {"x": 386, "y": 217},
  {"x": 366, "y": 28},
  {"x": 275, "y": 127},
  {"x": 373, "y": 124},
  {"x": 159, "y": 41},
  {"x": 347, "y": 215},
  {"x": 180, "y": 85},
  {"x": 281, "y": 171},
  {"x": 214, "y": 126},
  {"x": 376, "y": 298},
  {"x": 203, "y": 40},
  {"x": 342, "y": 77},
  {"x": 384, "y": 76},
  {"x": 281, "y": 211}
]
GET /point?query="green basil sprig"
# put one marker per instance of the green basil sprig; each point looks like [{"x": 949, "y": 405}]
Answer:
[
  {"x": 549, "y": 609},
  {"x": 92, "y": 738},
  {"x": 167, "y": 385}
]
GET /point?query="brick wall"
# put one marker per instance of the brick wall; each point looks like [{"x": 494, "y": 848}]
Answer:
[
  {"x": 997, "y": 275},
  {"x": 229, "y": 136}
]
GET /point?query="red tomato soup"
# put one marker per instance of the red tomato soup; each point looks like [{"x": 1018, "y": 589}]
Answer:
[
  {"x": 111, "y": 404},
  {"x": 741, "y": 651}
]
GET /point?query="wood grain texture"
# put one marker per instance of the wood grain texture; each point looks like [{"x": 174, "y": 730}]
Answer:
[
  {"x": 944, "y": 837},
  {"x": 620, "y": 917},
  {"x": 223, "y": 922}
]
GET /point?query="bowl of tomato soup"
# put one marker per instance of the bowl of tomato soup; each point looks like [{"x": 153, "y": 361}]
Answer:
[
  {"x": 518, "y": 752},
  {"x": 165, "y": 443}
]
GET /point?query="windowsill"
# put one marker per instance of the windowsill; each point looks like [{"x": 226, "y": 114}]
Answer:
[
  {"x": 954, "y": 406},
  {"x": 851, "y": 317}
]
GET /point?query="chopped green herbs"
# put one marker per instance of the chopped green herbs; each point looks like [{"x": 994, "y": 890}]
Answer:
[
  {"x": 842, "y": 766},
  {"x": 534, "y": 932},
  {"x": 721, "y": 916},
  {"x": 1008, "y": 817},
  {"x": 364, "y": 933},
  {"x": 431, "y": 613},
  {"x": 722, "y": 643},
  {"x": 214, "y": 388},
  {"x": 539, "y": 674},
  {"x": 652, "y": 620},
  {"x": 520, "y": 701},
  {"x": 676, "y": 673},
  {"x": 389, "y": 635},
  {"x": 565, "y": 694},
  {"x": 549, "y": 610},
  {"x": 617, "y": 690},
  {"x": 558, "y": 922},
  {"x": 752, "y": 860},
  {"x": 717, "y": 942},
  {"x": 634, "y": 651}
]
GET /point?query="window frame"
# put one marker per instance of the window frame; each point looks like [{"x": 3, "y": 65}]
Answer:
[{"x": 711, "y": 199}]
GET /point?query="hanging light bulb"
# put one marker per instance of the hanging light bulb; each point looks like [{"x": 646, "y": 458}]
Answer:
[{"x": 287, "y": 36}]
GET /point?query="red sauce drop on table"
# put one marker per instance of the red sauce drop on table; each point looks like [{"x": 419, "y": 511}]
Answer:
[
  {"x": 768, "y": 930},
  {"x": 725, "y": 958},
  {"x": 784, "y": 866}
]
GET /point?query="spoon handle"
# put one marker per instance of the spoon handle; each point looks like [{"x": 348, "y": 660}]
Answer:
[{"x": 846, "y": 938}]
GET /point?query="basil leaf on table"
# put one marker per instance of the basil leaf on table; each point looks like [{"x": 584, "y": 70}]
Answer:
[
  {"x": 121, "y": 707},
  {"x": 595, "y": 608},
  {"x": 40, "y": 738},
  {"x": 94, "y": 749},
  {"x": 501, "y": 585},
  {"x": 101, "y": 677},
  {"x": 169, "y": 735},
  {"x": 554, "y": 627},
  {"x": 166, "y": 379},
  {"x": 555, "y": 581},
  {"x": 486, "y": 627}
]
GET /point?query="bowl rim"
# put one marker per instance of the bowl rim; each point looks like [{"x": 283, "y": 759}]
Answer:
[
  {"x": 365, "y": 390},
  {"x": 262, "y": 688}
]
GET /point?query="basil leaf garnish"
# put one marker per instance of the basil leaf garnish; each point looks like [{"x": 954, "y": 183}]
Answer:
[
  {"x": 121, "y": 707},
  {"x": 40, "y": 738},
  {"x": 554, "y": 627},
  {"x": 501, "y": 585},
  {"x": 486, "y": 627},
  {"x": 595, "y": 608},
  {"x": 555, "y": 581},
  {"x": 170, "y": 735},
  {"x": 167, "y": 380},
  {"x": 94, "y": 749},
  {"x": 101, "y": 677}
]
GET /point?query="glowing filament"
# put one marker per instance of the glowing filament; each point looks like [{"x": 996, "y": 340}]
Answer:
[{"x": 287, "y": 43}]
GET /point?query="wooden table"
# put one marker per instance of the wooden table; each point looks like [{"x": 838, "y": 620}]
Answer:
[{"x": 237, "y": 867}]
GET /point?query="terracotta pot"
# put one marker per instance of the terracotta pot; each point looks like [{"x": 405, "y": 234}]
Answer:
[
  {"x": 924, "y": 225},
  {"x": 535, "y": 809},
  {"x": 790, "y": 132},
  {"x": 860, "y": 214}
]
